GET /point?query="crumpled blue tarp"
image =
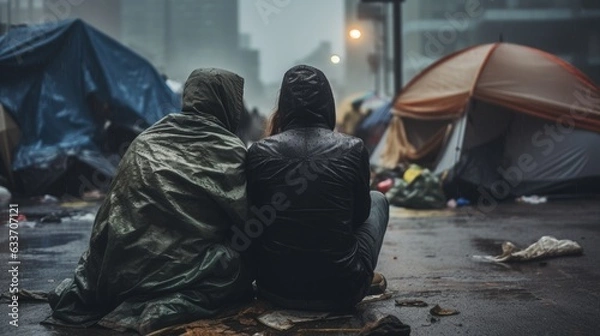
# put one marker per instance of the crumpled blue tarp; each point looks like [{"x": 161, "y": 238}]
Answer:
[{"x": 48, "y": 72}]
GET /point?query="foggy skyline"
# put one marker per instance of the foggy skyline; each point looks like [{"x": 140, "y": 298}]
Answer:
[{"x": 292, "y": 32}]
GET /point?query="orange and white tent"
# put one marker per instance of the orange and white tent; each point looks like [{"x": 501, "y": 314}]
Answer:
[{"x": 485, "y": 92}]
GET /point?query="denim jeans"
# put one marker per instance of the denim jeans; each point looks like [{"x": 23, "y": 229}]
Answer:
[{"x": 370, "y": 234}]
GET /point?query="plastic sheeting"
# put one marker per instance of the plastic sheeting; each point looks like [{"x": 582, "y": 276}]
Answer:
[
  {"x": 50, "y": 74},
  {"x": 161, "y": 251}
]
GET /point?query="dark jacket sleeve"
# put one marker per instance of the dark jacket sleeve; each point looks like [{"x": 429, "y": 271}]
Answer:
[{"x": 362, "y": 196}]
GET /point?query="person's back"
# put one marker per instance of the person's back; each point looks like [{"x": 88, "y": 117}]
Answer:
[
  {"x": 159, "y": 252},
  {"x": 309, "y": 187}
]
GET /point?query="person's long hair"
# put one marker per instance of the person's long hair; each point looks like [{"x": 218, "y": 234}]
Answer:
[{"x": 274, "y": 124}]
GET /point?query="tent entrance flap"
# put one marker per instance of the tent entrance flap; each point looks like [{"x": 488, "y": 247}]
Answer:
[{"x": 452, "y": 150}]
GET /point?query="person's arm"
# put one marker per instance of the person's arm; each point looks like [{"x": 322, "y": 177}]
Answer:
[{"x": 362, "y": 189}]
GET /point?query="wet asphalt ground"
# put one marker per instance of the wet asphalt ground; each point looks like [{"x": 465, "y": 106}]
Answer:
[{"x": 427, "y": 255}]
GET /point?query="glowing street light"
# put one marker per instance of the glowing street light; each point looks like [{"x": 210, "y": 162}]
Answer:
[
  {"x": 355, "y": 34},
  {"x": 335, "y": 59}
]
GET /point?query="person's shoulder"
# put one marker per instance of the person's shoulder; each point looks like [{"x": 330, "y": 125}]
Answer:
[
  {"x": 349, "y": 141},
  {"x": 263, "y": 145}
]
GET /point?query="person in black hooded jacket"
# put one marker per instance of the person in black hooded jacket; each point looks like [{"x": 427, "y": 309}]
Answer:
[{"x": 317, "y": 227}]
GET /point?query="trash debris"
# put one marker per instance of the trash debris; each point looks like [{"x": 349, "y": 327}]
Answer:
[
  {"x": 461, "y": 201},
  {"x": 88, "y": 217},
  {"x": 378, "y": 297},
  {"x": 457, "y": 203},
  {"x": 547, "y": 246},
  {"x": 385, "y": 185},
  {"x": 439, "y": 311},
  {"x": 48, "y": 199},
  {"x": 389, "y": 325},
  {"x": 285, "y": 319},
  {"x": 51, "y": 218},
  {"x": 411, "y": 303},
  {"x": 27, "y": 224},
  {"x": 217, "y": 326},
  {"x": 533, "y": 199},
  {"x": 93, "y": 195},
  {"x": 412, "y": 173},
  {"x": 423, "y": 192}
]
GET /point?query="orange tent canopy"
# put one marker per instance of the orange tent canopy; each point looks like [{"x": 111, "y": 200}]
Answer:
[{"x": 521, "y": 78}]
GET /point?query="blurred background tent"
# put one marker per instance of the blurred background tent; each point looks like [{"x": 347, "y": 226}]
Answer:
[
  {"x": 374, "y": 125},
  {"x": 511, "y": 119},
  {"x": 77, "y": 97},
  {"x": 355, "y": 108}
]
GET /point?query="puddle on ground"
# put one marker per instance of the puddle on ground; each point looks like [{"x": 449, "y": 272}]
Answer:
[
  {"x": 507, "y": 294},
  {"x": 49, "y": 240}
]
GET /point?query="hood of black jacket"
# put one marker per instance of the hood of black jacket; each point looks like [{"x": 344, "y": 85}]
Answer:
[
  {"x": 306, "y": 99},
  {"x": 215, "y": 92}
]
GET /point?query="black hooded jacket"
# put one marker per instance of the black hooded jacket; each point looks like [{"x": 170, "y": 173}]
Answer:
[{"x": 309, "y": 189}]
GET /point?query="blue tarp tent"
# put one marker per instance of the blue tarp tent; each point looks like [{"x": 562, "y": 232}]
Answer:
[
  {"x": 61, "y": 83},
  {"x": 371, "y": 129}
]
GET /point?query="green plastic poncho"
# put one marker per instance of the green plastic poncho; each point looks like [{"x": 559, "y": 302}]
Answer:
[{"x": 159, "y": 251}]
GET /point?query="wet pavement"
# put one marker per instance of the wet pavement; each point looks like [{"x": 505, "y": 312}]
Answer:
[{"x": 427, "y": 255}]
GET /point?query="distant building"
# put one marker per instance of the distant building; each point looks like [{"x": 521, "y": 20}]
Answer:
[
  {"x": 103, "y": 15},
  {"x": 144, "y": 29},
  {"x": 181, "y": 35},
  {"x": 567, "y": 28}
]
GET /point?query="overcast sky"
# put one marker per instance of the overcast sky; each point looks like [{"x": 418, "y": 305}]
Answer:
[{"x": 291, "y": 32}]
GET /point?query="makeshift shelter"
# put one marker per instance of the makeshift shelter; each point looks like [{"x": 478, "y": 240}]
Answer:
[
  {"x": 507, "y": 118},
  {"x": 372, "y": 128},
  {"x": 62, "y": 83},
  {"x": 355, "y": 108}
]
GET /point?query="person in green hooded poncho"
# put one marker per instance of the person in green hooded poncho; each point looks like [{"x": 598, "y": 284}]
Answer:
[{"x": 159, "y": 252}]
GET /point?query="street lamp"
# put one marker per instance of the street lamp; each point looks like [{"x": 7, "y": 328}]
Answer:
[
  {"x": 335, "y": 59},
  {"x": 355, "y": 34}
]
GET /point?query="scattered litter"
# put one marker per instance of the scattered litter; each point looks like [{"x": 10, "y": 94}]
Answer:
[
  {"x": 77, "y": 204},
  {"x": 439, "y": 311},
  {"x": 534, "y": 199},
  {"x": 93, "y": 195},
  {"x": 411, "y": 303},
  {"x": 83, "y": 218},
  {"x": 27, "y": 224},
  {"x": 48, "y": 199},
  {"x": 389, "y": 325},
  {"x": 385, "y": 185},
  {"x": 52, "y": 218},
  {"x": 546, "y": 247},
  {"x": 461, "y": 201},
  {"x": 378, "y": 297},
  {"x": 457, "y": 203},
  {"x": 285, "y": 319}
]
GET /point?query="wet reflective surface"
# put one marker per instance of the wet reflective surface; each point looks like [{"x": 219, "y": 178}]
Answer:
[{"x": 427, "y": 255}]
